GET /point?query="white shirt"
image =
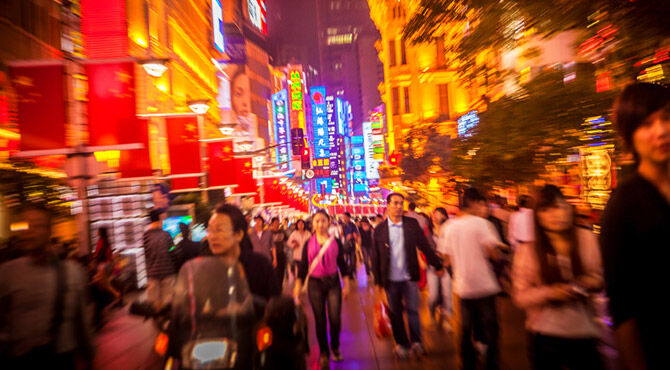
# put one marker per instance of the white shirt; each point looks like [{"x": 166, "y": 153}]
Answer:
[
  {"x": 466, "y": 239},
  {"x": 398, "y": 267},
  {"x": 521, "y": 227}
]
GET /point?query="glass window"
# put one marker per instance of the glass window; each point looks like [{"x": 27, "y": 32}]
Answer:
[
  {"x": 403, "y": 54},
  {"x": 392, "y": 60},
  {"x": 395, "y": 103},
  {"x": 444, "y": 99},
  {"x": 406, "y": 96}
]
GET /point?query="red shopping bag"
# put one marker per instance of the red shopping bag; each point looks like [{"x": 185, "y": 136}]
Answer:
[
  {"x": 382, "y": 321},
  {"x": 422, "y": 271}
]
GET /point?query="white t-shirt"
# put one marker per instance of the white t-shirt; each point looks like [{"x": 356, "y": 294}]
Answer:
[
  {"x": 521, "y": 227},
  {"x": 466, "y": 239}
]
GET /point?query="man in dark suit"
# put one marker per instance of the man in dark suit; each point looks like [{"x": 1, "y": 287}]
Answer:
[
  {"x": 261, "y": 238},
  {"x": 396, "y": 269}
]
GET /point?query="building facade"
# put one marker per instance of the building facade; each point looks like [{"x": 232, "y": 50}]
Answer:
[{"x": 420, "y": 87}]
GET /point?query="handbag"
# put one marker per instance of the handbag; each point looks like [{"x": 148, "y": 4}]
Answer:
[{"x": 315, "y": 262}]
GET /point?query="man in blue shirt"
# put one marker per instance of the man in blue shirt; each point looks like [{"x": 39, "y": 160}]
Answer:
[{"x": 396, "y": 269}]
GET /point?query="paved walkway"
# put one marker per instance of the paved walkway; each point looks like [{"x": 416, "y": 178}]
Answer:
[{"x": 126, "y": 342}]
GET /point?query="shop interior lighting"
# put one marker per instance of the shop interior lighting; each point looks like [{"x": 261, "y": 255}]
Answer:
[{"x": 155, "y": 67}]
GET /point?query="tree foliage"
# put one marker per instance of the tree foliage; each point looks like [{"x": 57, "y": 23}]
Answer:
[
  {"x": 424, "y": 153},
  {"x": 641, "y": 26},
  {"x": 519, "y": 135}
]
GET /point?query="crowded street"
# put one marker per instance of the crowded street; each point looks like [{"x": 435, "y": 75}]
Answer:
[
  {"x": 334, "y": 184},
  {"x": 126, "y": 341}
]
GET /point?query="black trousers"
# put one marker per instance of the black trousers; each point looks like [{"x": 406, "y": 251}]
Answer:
[
  {"x": 547, "y": 352},
  {"x": 479, "y": 322},
  {"x": 326, "y": 293}
]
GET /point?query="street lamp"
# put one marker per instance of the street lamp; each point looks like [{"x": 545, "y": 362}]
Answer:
[
  {"x": 199, "y": 106},
  {"x": 155, "y": 67}
]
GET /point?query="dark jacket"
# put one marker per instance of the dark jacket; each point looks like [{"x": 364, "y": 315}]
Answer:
[
  {"x": 262, "y": 245},
  {"x": 159, "y": 260},
  {"x": 414, "y": 238}
]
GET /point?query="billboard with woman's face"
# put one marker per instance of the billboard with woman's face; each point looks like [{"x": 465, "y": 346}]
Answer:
[{"x": 234, "y": 101}]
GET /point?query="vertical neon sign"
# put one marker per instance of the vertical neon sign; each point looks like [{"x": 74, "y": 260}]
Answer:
[{"x": 281, "y": 129}]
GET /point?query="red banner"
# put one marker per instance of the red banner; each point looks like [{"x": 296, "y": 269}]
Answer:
[
  {"x": 104, "y": 28},
  {"x": 40, "y": 92},
  {"x": 244, "y": 176},
  {"x": 272, "y": 189},
  {"x": 221, "y": 163},
  {"x": 184, "y": 149},
  {"x": 137, "y": 162},
  {"x": 111, "y": 103}
]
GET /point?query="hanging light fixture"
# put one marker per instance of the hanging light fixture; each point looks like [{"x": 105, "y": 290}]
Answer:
[
  {"x": 155, "y": 67},
  {"x": 227, "y": 129},
  {"x": 199, "y": 106}
]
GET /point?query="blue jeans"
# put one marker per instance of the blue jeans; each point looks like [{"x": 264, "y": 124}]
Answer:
[{"x": 404, "y": 296}]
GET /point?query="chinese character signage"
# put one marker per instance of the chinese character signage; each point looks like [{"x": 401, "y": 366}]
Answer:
[
  {"x": 359, "y": 177},
  {"x": 341, "y": 116},
  {"x": 377, "y": 135},
  {"x": 332, "y": 141},
  {"x": 371, "y": 163},
  {"x": 281, "y": 129},
  {"x": 320, "y": 122},
  {"x": 297, "y": 102}
]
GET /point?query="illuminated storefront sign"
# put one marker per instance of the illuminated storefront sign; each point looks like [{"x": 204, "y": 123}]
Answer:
[
  {"x": 297, "y": 102},
  {"x": 467, "y": 122},
  {"x": 341, "y": 115},
  {"x": 281, "y": 129},
  {"x": 377, "y": 135},
  {"x": 332, "y": 140},
  {"x": 320, "y": 122},
  {"x": 257, "y": 13},
  {"x": 217, "y": 25},
  {"x": 359, "y": 177},
  {"x": 371, "y": 163},
  {"x": 596, "y": 165}
]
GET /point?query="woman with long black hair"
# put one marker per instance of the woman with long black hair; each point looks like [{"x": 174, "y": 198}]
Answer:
[
  {"x": 553, "y": 278},
  {"x": 322, "y": 257}
]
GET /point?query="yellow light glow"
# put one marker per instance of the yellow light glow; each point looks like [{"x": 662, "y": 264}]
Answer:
[
  {"x": 140, "y": 41},
  {"x": 18, "y": 226},
  {"x": 162, "y": 86}
]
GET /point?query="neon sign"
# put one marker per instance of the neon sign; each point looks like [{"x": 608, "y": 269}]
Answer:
[
  {"x": 297, "y": 103},
  {"x": 281, "y": 129},
  {"x": 217, "y": 25}
]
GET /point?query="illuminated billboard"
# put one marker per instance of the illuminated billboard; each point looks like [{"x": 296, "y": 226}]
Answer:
[
  {"x": 376, "y": 124},
  {"x": 257, "y": 15},
  {"x": 297, "y": 99},
  {"x": 320, "y": 122},
  {"x": 217, "y": 26},
  {"x": 281, "y": 129},
  {"x": 341, "y": 115},
  {"x": 331, "y": 115},
  {"x": 371, "y": 163}
]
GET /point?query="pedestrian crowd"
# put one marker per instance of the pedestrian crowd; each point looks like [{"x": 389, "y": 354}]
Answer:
[{"x": 542, "y": 255}]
